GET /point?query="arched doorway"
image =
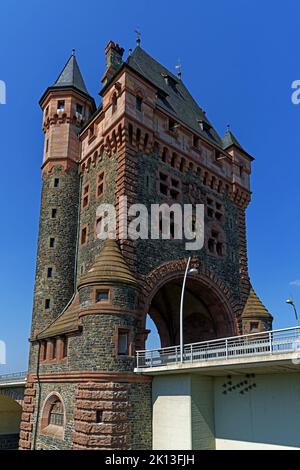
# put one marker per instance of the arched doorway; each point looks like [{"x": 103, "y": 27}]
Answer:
[
  {"x": 207, "y": 312},
  {"x": 10, "y": 419}
]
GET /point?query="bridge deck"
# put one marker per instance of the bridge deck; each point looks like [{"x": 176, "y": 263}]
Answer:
[
  {"x": 278, "y": 348},
  {"x": 13, "y": 380}
]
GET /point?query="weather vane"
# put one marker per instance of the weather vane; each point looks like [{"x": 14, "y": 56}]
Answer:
[
  {"x": 179, "y": 69},
  {"x": 138, "y": 37}
]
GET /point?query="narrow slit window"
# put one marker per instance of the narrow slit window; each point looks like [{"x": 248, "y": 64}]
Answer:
[
  {"x": 114, "y": 103},
  {"x": 86, "y": 196},
  {"x": 99, "y": 416},
  {"x": 138, "y": 103},
  {"x": 100, "y": 184},
  {"x": 65, "y": 348},
  {"x": 83, "y": 238},
  {"x": 123, "y": 343}
]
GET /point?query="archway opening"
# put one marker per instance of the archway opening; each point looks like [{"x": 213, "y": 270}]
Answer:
[
  {"x": 206, "y": 316},
  {"x": 153, "y": 338},
  {"x": 10, "y": 419}
]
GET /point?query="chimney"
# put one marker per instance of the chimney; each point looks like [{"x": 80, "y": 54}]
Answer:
[{"x": 113, "y": 60}]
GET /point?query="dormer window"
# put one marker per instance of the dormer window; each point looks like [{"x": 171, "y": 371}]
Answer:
[
  {"x": 204, "y": 125},
  {"x": 61, "y": 105},
  {"x": 170, "y": 81}
]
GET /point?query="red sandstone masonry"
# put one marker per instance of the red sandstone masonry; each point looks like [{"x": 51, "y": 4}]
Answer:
[
  {"x": 26, "y": 425},
  {"x": 111, "y": 433}
]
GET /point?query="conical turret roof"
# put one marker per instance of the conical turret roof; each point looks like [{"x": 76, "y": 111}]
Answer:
[
  {"x": 254, "y": 307},
  {"x": 109, "y": 266},
  {"x": 71, "y": 76}
]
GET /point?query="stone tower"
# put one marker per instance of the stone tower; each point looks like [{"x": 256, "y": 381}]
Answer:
[{"x": 151, "y": 142}]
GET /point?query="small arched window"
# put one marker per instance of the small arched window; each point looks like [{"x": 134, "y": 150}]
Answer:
[{"x": 53, "y": 417}]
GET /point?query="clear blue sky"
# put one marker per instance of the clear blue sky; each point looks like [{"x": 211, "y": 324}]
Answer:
[{"x": 239, "y": 59}]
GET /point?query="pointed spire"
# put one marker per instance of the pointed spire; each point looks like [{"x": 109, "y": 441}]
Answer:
[
  {"x": 71, "y": 76},
  {"x": 179, "y": 69},
  {"x": 230, "y": 140},
  {"x": 254, "y": 307},
  {"x": 138, "y": 37}
]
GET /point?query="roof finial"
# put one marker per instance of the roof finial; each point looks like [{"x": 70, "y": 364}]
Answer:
[
  {"x": 73, "y": 52},
  {"x": 179, "y": 69},
  {"x": 228, "y": 127},
  {"x": 138, "y": 36}
]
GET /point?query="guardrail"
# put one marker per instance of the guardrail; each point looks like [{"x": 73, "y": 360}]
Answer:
[
  {"x": 269, "y": 342},
  {"x": 13, "y": 378}
]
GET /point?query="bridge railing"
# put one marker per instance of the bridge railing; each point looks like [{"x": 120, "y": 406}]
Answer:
[
  {"x": 12, "y": 378},
  {"x": 268, "y": 342}
]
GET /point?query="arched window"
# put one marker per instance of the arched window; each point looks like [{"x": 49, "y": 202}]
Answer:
[
  {"x": 53, "y": 417},
  {"x": 56, "y": 415}
]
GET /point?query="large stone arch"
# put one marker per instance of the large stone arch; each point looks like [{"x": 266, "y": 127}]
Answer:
[
  {"x": 10, "y": 419},
  {"x": 206, "y": 282}
]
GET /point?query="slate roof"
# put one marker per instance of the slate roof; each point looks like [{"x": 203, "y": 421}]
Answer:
[
  {"x": 173, "y": 97},
  {"x": 71, "y": 76},
  {"x": 230, "y": 140}
]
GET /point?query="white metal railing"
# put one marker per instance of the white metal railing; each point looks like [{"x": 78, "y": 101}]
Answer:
[
  {"x": 13, "y": 378},
  {"x": 268, "y": 342}
]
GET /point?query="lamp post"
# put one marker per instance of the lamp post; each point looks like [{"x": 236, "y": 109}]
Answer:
[
  {"x": 292, "y": 303},
  {"x": 187, "y": 272}
]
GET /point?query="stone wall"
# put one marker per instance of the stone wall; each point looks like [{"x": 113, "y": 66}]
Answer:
[
  {"x": 63, "y": 228},
  {"x": 151, "y": 253}
]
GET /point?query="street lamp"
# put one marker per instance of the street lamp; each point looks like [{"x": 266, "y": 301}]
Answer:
[
  {"x": 187, "y": 272},
  {"x": 292, "y": 303}
]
